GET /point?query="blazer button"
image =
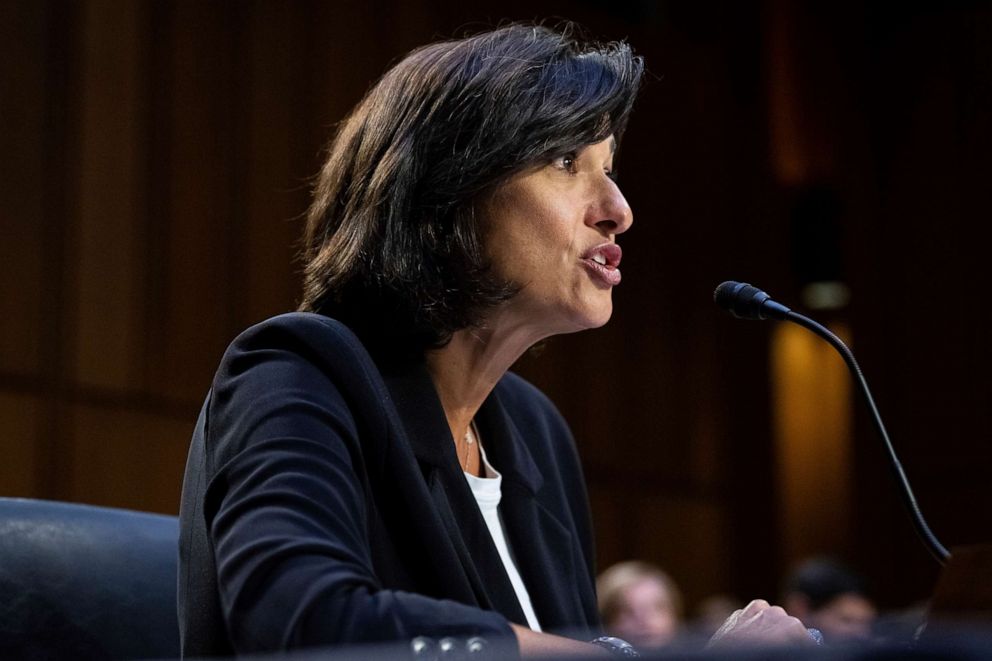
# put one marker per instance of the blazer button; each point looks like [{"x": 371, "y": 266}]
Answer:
[{"x": 423, "y": 648}]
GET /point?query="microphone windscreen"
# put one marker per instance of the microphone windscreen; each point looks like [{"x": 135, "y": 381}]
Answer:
[
  {"x": 742, "y": 300},
  {"x": 726, "y": 294}
]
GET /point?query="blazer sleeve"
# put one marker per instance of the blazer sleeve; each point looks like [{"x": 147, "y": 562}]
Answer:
[{"x": 286, "y": 501}]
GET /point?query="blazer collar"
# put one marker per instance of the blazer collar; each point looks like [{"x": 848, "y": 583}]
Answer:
[
  {"x": 416, "y": 399},
  {"x": 506, "y": 446},
  {"x": 427, "y": 432},
  {"x": 544, "y": 545}
]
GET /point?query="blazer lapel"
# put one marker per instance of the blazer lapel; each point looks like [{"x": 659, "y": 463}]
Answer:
[
  {"x": 422, "y": 416},
  {"x": 542, "y": 545}
]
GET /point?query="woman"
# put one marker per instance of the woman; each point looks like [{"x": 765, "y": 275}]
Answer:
[
  {"x": 343, "y": 480},
  {"x": 640, "y": 603}
]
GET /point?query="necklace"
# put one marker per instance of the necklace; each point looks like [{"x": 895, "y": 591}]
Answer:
[{"x": 469, "y": 442}]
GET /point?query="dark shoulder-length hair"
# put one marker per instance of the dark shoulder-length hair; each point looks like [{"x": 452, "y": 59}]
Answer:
[{"x": 392, "y": 246}]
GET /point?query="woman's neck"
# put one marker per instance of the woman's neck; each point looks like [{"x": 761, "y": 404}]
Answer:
[{"x": 467, "y": 369}]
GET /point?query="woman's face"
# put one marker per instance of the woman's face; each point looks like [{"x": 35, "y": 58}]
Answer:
[
  {"x": 552, "y": 232},
  {"x": 647, "y": 615}
]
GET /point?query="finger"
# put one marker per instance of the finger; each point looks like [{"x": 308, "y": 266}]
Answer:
[
  {"x": 778, "y": 617},
  {"x": 800, "y": 634},
  {"x": 756, "y": 606},
  {"x": 729, "y": 623},
  {"x": 777, "y": 611}
]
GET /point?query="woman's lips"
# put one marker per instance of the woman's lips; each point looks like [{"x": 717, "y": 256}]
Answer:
[{"x": 602, "y": 261}]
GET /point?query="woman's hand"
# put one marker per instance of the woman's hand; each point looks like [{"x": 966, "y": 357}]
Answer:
[{"x": 759, "y": 623}]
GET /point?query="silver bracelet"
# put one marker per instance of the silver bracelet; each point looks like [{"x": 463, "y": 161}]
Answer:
[{"x": 617, "y": 646}]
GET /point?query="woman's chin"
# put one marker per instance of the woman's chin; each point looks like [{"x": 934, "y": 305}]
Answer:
[
  {"x": 594, "y": 316},
  {"x": 602, "y": 320},
  {"x": 558, "y": 317}
]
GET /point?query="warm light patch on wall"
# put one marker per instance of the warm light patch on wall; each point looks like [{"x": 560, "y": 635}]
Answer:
[
  {"x": 812, "y": 418},
  {"x": 788, "y": 154}
]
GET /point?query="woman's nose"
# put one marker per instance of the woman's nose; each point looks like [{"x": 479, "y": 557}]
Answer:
[{"x": 612, "y": 215}]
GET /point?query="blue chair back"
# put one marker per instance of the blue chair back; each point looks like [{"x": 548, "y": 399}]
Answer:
[{"x": 86, "y": 582}]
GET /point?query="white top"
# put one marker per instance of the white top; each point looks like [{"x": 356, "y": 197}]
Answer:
[{"x": 488, "y": 493}]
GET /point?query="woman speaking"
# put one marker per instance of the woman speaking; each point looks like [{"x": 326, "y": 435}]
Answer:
[{"x": 367, "y": 469}]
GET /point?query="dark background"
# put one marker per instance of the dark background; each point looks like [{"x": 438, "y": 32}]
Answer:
[{"x": 155, "y": 160}]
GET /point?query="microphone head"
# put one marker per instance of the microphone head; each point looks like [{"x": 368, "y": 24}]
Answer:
[{"x": 746, "y": 302}]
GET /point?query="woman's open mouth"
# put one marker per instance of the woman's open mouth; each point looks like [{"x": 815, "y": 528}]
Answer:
[{"x": 602, "y": 263}]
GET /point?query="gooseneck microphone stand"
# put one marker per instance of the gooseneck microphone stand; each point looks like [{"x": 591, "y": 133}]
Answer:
[{"x": 746, "y": 302}]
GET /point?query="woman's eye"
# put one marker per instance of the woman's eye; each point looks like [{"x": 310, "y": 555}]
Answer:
[
  {"x": 568, "y": 162},
  {"x": 610, "y": 173}
]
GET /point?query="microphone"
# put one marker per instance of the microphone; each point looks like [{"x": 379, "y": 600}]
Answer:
[{"x": 746, "y": 302}]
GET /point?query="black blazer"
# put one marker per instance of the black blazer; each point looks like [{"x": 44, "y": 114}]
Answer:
[{"x": 323, "y": 504}]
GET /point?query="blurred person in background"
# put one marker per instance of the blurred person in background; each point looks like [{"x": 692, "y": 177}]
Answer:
[
  {"x": 827, "y": 595},
  {"x": 641, "y": 603}
]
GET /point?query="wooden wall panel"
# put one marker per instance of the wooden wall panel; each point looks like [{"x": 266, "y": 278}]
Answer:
[
  {"x": 691, "y": 538},
  {"x": 687, "y": 537},
  {"x": 24, "y": 31},
  {"x": 37, "y": 166},
  {"x": 105, "y": 321},
  {"x": 276, "y": 190},
  {"x": 201, "y": 236},
  {"x": 910, "y": 132},
  {"x": 813, "y": 397},
  {"x": 128, "y": 458},
  {"x": 20, "y": 444},
  {"x": 342, "y": 53}
]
